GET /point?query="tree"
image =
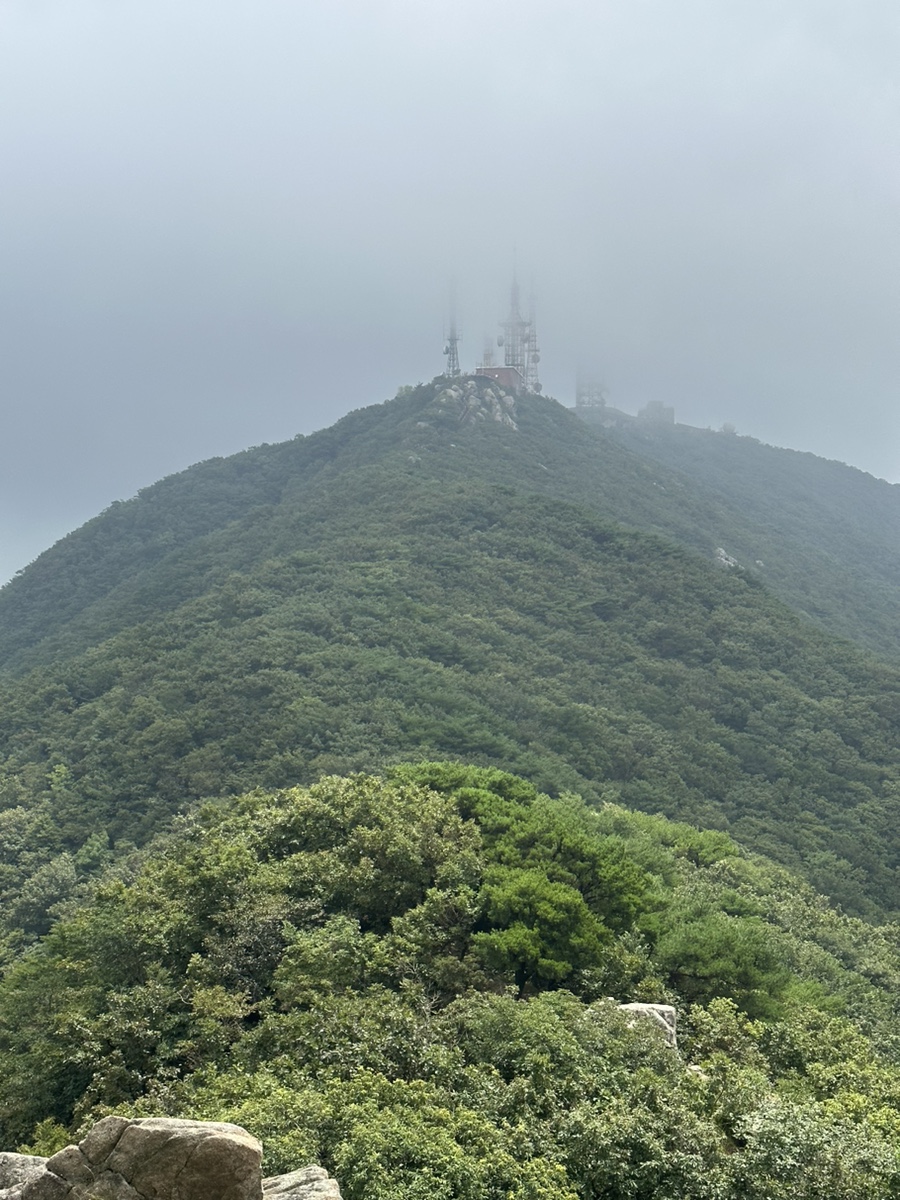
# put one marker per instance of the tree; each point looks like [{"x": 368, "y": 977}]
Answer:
[{"x": 539, "y": 932}]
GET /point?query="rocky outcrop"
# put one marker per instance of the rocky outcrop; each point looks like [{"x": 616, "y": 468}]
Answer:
[
  {"x": 16, "y": 1170},
  {"x": 664, "y": 1015},
  {"x": 309, "y": 1183},
  {"x": 471, "y": 401},
  {"x": 158, "y": 1158}
]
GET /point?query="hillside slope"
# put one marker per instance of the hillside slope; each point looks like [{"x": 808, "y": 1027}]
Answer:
[
  {"x": 409, "y": 980},
  {"x": 824, "y": 536},
  {"x": 404, "y": 599},
  {"x": 108, "y": 573},
  {"x": 828, "y": 537}
]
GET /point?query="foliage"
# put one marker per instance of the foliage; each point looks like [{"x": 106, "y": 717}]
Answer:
[
  {"x": 330, "y": 606},
  {"x": 822, "y": 535},
  {"x": 397, "y": 977},
  {"x": 408, "y": 976}
]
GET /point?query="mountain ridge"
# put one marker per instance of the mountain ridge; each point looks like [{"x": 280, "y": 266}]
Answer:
[
  {"x": 112, "y": 550},
  {"x": 827, "y": 535},
  {"x": 406, "y": 599}
]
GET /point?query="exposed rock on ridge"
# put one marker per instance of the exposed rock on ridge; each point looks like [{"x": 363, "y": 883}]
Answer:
[
  {"x": 470, "y": 401},
  {"x": 16, "y": 1170}
]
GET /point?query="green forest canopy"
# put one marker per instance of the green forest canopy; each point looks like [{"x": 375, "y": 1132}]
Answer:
[
  {"x": 412, "y": 976},
  {"x": 416, "y": 619},
  {"x": 406, "y": 979}
]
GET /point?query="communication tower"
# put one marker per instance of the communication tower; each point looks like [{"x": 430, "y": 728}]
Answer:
[
  {"x": 519, "y": 342},
  {"x": 589, "y": 391},
  {"x": 532, "y": 354},
  {"x": 451, "y": 350},
  {"x": 451, "y": 342}
]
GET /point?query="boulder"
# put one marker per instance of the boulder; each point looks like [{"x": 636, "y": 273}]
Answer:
[
  {"x": 158, "y": 1158},
  {"x": 16, "y": 1170},
  {"x": 663, "y": 1015},
  {"x": 151, "y": 1158},
  {"x": 309, "y": 1183}
]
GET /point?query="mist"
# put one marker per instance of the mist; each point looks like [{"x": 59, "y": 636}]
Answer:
[{"x": 227, "y": 223}]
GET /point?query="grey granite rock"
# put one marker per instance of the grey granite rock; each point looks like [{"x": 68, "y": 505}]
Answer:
[
  {"x": 662, "y": 1015},
  {"x": 309, "y": 1183},
  {"x": 151, "y": 1158},
  {"x": 16, "y": 1170},
  {"x": 158, "y": 1158}
]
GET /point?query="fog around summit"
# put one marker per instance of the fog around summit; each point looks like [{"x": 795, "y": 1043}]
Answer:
[{"x": 228, "y": 223}]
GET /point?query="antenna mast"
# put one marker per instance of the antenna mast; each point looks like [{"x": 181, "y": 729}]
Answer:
[
  {"x": 451, "y": 348},
  {"x": 532, "y": 353},
  {"x": 519, "y": 342}
]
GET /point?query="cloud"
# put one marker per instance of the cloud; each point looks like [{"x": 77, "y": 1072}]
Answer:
[{"x": 227, "y": 222}]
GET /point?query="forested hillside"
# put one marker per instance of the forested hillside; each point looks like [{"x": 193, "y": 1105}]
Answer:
[
  {"x": 407, "y": 980},
  {"x": 828, "y": 536},
  {"x": 415, "y": 593},
  {"x": 225, "y": 892},
  {"x": 824, "y": 536}
]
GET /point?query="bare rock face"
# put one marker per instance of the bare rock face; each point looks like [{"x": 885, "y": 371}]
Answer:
[
  {"x": 16, "y": 1170},
  {"x": 158, "y": 1158},
  {"x": 473, "y": 401},
  {"x": 309, "y": 1183},
  {"x": 663, "y": 1015},
  {"x": 151, "y": 1158}
]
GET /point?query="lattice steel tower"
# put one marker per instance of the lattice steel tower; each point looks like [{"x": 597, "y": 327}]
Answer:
[
  {"x": 519, "y": 341},
  {"x": 451, "y": 345}
]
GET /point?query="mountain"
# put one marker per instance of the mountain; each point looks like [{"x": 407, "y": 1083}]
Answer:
[
  {"x": 212, "y": 907},
  {"x": 140, "y": 556},
  {"x": 439, "y": 576},
  {"x": 824, "y": 536}
]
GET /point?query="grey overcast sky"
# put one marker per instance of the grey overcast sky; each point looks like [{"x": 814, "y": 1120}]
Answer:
[{"x": 224, "y": 222}]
